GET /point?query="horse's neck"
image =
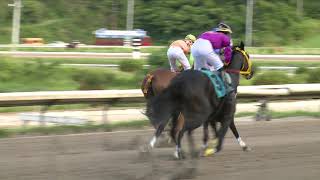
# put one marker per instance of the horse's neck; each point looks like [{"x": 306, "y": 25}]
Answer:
[
  {"x": 235, "y": 77},
  {"x": 236, "y": 64}
]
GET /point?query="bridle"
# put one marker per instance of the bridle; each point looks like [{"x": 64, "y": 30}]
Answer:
[{"x": 245, "y": 70}]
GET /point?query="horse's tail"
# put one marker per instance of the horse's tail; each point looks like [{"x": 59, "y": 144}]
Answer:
[
  {"x": 146, "y": 85},
  {"x": 161, "y": 108}
]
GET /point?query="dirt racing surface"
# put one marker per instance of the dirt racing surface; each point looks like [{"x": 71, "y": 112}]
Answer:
[{"x": 281, "y": 149}]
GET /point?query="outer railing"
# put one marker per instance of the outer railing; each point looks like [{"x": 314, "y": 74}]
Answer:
[
  {"x": 110, "y": 97},
  {"x": 294, "y": 91}
]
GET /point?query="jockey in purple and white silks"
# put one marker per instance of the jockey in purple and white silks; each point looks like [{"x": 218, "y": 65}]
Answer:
[
  {"x": 224, "y": 28},
  {"x": 207, "y": 49}
]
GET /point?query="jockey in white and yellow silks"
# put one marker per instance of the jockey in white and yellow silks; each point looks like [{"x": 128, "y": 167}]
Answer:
[{"x": 178, "y": 50}]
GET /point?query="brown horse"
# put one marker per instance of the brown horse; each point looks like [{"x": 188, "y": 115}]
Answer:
[
  {"x": 156, "y": 81},
  {"x": 153, "y": 84}
]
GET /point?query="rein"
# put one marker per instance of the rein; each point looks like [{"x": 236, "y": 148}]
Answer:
[{"x": 242, "y": 71}]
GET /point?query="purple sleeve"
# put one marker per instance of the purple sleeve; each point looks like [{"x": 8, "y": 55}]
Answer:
[
  {"x": 227, "y": 54},
  {"x": 225, "y": 41}
]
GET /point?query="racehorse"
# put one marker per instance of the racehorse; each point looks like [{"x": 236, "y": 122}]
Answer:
[
  {"x": 191, "y": 97},
  {"x": 156, "y": 81},
  {"x": 240, "y": 65}
]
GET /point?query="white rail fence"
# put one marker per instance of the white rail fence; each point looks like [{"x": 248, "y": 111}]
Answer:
[
  {"x": 110, "y": 97},
  {"x": 141, "y": 55}
]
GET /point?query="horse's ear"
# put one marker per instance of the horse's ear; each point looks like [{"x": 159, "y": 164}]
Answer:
[{"x": 241, "y": 46}]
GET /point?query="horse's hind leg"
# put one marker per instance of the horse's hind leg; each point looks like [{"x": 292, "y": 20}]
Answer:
[
  {"x": 193, "y": 152},
  {"x": 178, "y": 153},
  {"x": 236, "y": 134},
  {"x": 158, "y": 132},
  {"x": 175, "y": 120},
  {"x": 178, "y": 131}
]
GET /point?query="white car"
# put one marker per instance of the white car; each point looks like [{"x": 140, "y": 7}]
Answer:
[{"x": 58, "y": 44}]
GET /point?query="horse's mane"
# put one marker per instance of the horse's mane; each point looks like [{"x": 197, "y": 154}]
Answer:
[{"x": 240, "y": 46}]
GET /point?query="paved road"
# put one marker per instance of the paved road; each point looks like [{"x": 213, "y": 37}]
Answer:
[{"x": 282, "y": 149}]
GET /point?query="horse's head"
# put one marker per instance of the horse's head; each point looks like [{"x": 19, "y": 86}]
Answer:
[{"x": 241, "y": 62}]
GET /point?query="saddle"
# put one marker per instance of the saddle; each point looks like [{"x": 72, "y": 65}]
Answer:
[{"x": 221, "y": 85}]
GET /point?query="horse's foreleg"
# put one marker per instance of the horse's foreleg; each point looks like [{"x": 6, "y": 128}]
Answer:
[
  {"x": 229, "y": 111},
  {"x": 205, "y": 135},
  {"x": 225, "y": 123},
  {"x": 236, "y": 134},
  {"x": 214, "y": 128},
  {"x": 208, "y": 148},
  {"x": 221, "y": 134},
  {"x": 213, "y": 142}
]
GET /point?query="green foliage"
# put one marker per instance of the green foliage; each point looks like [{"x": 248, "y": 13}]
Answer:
[
  {"x": 18, "y": 74},
  {"x": 32, "y": 76},
  {"x": 34, "y": 10},
  {"x": 158, "y": 59},
  {"x": 314, "y": 76},
  {"x": 4, "y": 133},
  {"x": 91, "y": 79},
  {"x": 275, "y": 22},
  {"x": 272, "y": 78},
  {"x": 130, "y": 65},
  {"x": 301, "y": 70}
]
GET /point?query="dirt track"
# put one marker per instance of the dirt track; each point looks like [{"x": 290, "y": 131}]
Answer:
[{"x": 282, "y": 149}]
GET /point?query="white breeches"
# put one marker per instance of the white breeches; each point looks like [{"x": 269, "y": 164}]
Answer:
[
  {"x": 174, "y": 54},
  {"x": 205, "y": 56}
]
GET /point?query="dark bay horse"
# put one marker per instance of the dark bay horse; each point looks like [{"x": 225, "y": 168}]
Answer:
[
  {"x": 156, "y": 81},
  {"x": 192, "y": 97},
  {"x": 240, "y": 65}
]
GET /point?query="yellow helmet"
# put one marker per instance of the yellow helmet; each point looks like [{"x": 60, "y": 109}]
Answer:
[
  {"x": 190, "y": 37},
  {"x": 224, "y": 30},
  {"x": 222, "y": 27}
]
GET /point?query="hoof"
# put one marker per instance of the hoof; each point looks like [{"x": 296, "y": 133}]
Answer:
[
  {"x": 208, "y": 152},
  {"x": 178, "y": 155}
]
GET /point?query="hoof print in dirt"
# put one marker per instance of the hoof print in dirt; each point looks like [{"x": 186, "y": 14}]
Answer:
[{"x": 246, "y": 149}]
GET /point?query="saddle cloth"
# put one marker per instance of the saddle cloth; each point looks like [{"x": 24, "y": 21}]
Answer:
[{"x": 218, "y": 83}]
